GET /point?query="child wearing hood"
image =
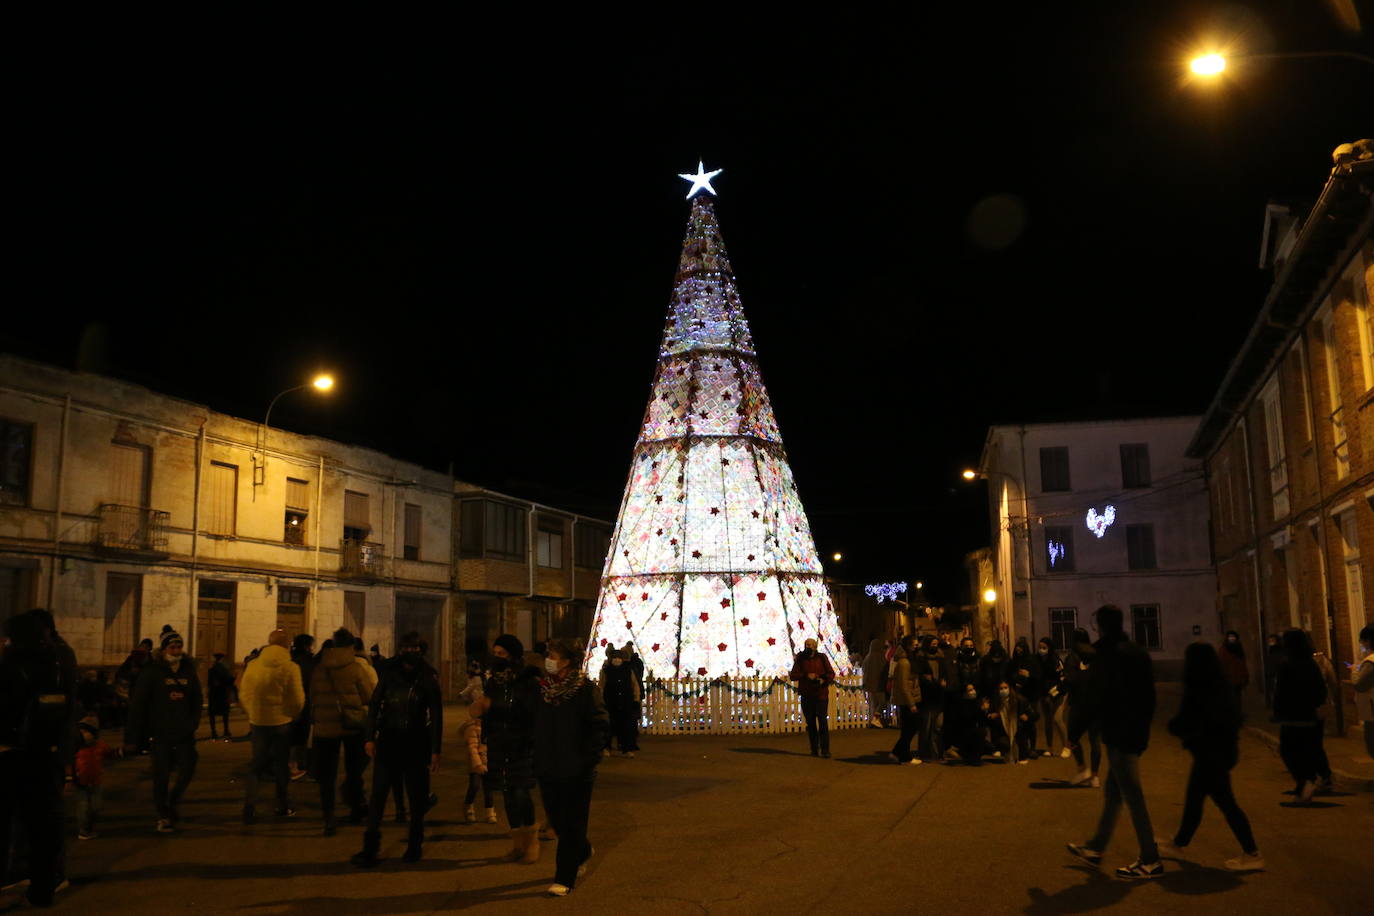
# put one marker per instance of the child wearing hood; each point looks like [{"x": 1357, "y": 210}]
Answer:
[{"x": 87, "y": 772}]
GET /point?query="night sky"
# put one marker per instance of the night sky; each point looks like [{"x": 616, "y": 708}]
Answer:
[{"x": 938, "y": 221}]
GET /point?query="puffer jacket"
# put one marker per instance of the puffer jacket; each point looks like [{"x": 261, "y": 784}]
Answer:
[
  {"x": 509, "y": 727},
  {"x": 471, "y": 733},
  {"x": 406, "y": 712},
  {"x": 906, "y": 692},
  {"x": 342, "y": 680},
  {"x": 272, "y": 692}
]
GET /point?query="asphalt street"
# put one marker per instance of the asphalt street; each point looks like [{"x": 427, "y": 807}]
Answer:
[{"x": 726, "y": 825}]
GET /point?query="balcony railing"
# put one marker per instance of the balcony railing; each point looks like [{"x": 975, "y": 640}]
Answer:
[
  {"x": 131, "y": 528},
  {"x": 362, "y": 559}
]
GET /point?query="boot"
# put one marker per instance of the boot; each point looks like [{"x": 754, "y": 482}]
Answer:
[
  {"x": 372, "y": 842},
  {"x": 469, "y": 815},
  {"x": 517, "y": 845},
  {"x": 547, "y": 832},
  {"x": 530, "y": 846},
  {"x": 491, "y": 815}
]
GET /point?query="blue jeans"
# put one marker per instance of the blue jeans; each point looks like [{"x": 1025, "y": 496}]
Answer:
[
  {"x": 271, "y": 747},
  {"x": 1123, "y": 784}
]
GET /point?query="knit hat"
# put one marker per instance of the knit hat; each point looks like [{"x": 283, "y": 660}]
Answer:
[
  {"x": 170, "y": 636},
  {"x": 513, "y": 646},
  {"x": 89, "y": 723}
]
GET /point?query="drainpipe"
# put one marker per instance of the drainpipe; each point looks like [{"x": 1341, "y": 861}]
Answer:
[
  {"x": 57, "y": 516},
  {"x": 1260, "y": 615},
  {"x": 1030, "y": 557},
  {"x": 529, "y": 547},
  {"x": 319, "y": 510},
  {"x": 195, "y": 536}
]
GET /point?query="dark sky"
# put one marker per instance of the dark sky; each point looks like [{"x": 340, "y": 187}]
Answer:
[{"x": 476, "y": 226}]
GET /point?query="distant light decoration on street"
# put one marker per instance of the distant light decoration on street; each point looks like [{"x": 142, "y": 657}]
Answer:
[
  {"x": 701, "y": 181},
  {"x": 1098, "y": 524},
  {"x": 1056, "y": 552},
  {"x": 885, "y": 591},
  {"x": 989, "y": 596},
  {"x": 1208, "y": 64}
]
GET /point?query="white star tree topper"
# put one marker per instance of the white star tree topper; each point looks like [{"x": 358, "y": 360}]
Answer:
[{"x": 701, "y": 180}]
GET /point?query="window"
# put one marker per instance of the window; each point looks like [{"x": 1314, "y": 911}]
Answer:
[
  {"x": 1365, "y": 328},
  {"x": 16, "y": 455},
  {"x": 593, "y": 543},
  {"x": 1354, "y": 588},
  {"x": 1140, "y": 547},
  {"x": 504, "y": 531},
  {"x": 549, "y": 544},
  {"x": 1059, "y": 548},
  {"x": 1135, "y": 466},
  {"x": 1054, "y": 469},
  {"x": 1297, "y": 365},
  {"x": 1273, "y": 437},
  {"x": 291, "y": 609},
  {"x": 1340, "y": 446},
  {"x": 1145, "y": 626},
  {"x": 357, "y": 518},
  {"x": 414, "y": 518},
  {"x": 129, "y": 464},
  {"x": 123, "y": 605},
  {"x": 221, "y": 499},
  {"x": 1063, "y": 621},
  {"x": 297, "y": 510}
]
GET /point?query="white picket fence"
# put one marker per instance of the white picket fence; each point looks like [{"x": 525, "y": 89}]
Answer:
[{"x": 743, "y": 705}]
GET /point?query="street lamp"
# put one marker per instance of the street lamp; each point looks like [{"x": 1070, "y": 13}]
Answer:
[
  {"x": 1207, "y": 64},
  {"x": 837, "y": 557},
  {"x": 970, "y": 474},
  {"x": 990, "y": 596},
  {"x": 920, "y": 585},
  {"x": 1214, "y": 63},
  {"x": 322, "y": 382}
]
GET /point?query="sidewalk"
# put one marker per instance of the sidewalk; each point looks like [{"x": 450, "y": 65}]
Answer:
[{"x": 1349, "y": 762}]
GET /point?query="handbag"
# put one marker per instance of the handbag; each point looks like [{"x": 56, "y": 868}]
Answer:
[{"x": 351, "y": 718}]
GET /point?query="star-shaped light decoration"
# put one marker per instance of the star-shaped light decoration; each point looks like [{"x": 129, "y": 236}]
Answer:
[{"x": 702, "y": 179}]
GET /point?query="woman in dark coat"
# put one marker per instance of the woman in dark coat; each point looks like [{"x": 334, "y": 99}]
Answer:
[
  {"x": 507, "y": 710},
  {"x": 1075, "y": 682},
  {"x": 992, "y": 669},
  {"x": 1233, "y": 667},
  {"x": 570, "y": 733},
  {"x": 217, "y": 697},
  {"x": 1208, "y": 721},
  {"x": 1298, "y": 690},
  {"x": 1051, "y": 694}
]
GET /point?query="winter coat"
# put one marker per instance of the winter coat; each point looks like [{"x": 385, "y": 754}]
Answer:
[
  {"x": 221, "y": 682},
  {"x": 906, "y": 692},
  {"x": 966, "y": 667},
  {"x": 1328, "y": 706},
  {"x": 1233, "y": 666},
  {"x": 341, "y": 681},
  {"x": 271, "y": 692},
  {"x": 875, "y": 668},
  {"x": 1119, "y": 697},
  {"x": 127, "y": 675},
  {"x": 928, "y": 676},
  {"x": 37, "y": 700},
  {"x": 1028, "y": 684},
  {"x": 818, "y": 665},
  {"x": 407, "y": 708},
  {"x": 992, "y": 670},
  {"x": 1051, "y": 676},
  {"x": 471, "y": 733},
  {"x": 570, "y": 729},
  {"x": 474, "y": 688},
  {"x": 88, "y": 767},
  {"x": 1209, "y": 721},
  {"x": 1363, "y": 682},
  {"x": 1298, "y": 691},
  {"x": 1075, "y": 676},
  {"x": 508, "y": 725},
  {"x": 166, "y": 704},
  {"x": 619, "y": 686},
  {"x": 1009, "y": 712}
]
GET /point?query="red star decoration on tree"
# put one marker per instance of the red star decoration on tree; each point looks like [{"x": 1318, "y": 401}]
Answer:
[
  {"x": 705, "y": 616},
  {"x": 756, "y": 513},
  {"x": 660, "y": 532},
  {"x": 702, "y": 672},
  {"x": 715, "y": 510},
  {"x": 673, "y": 541},
  {"x": 744, "y": 621},
  {"x": 772, "y": 641},
  {"x": 748, "y": 663},
  {"x": 644, "y": 596},
  {"x": 626, "y": 552},
  {"x": 696, "y": 554},
  {"x": 628, "y": 626},
  {"x": 725, "y": 602},
  {"x": 620, "y": 597},
  {"x": 726, "y": 395},
  {"x": 801, "y": 624},
  {"x": 722, "y": 647},
  {"x": 751, "y": 557},
  {"x": 603, "y": 642},
  {"x": 808, "y": 593},
  {"x": 725, "y": 462},
  {"x": 763, "y": 596},
  {"x": 655, "y": 647},
  {"x": 658, "y": 498},
  {"x": 663, "y": 616}
]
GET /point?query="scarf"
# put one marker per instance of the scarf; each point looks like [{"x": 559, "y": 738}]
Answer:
[{"x": 556, "y": 690}]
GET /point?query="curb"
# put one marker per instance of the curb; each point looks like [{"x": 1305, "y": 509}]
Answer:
[{"x": 1352, "y": 780}]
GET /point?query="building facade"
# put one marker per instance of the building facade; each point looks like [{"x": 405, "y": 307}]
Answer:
[
  {"x": 1288, "y": 440},
  {"x": 122, "y": 510},
  {"x": 1086, "y": 514}
]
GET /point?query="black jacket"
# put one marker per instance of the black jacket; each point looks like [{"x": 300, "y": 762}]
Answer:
[
  {"x": 407, "y": 707},
  {"x": 508, "y": 727},
  {"x": 221, "y": 682},
  {"x": 1119, "y": 696},
  {"x": 1208, "y": 721},
  {"x": 966, "y": 664},
  {"x": 1299, "y": 690},
  {"x": 928, "y": 672},
  {"x": 992, "y": 669},
  {"x": 37, "y": 700},
  {"x": 1028, "y": 684},
  {"x": 570, "y": 733},
  {"x": 165, "y": 704}
]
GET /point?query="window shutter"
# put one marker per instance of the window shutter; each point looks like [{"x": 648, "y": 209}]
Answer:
[
  {"x": 298, "y": 494},
  {"x": 356, "y": 513},
  {"x": 221, "y": 498}
]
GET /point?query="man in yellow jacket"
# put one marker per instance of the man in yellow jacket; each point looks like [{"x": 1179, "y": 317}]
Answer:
[{"x": 273, "y": 696}]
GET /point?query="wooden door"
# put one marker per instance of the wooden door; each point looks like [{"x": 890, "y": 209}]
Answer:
[{"x": 215, "y": 620}]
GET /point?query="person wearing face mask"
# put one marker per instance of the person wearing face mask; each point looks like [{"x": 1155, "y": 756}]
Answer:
[
  {"x": 930, "y": 675},
  {"x": 875, "y": 683},
  {"x": 1051, "y": 695},
  {"x": 1018, "y": 717},
  {"x": 1362, "y": 680},
  {"x": 906, "y": 696},
  {"x": 1273, "y": 661},
  {"x": 403, "y": 735},
  {"x": 963, "y": 729},
  {"x": 1023, "y": 673},
  {"x": 621, "y": 691},
  {"x": 507, "y": 709},
  {"x": 966, "y": 664},
  {"x": 1233, "y": 666},
  {"x": 569, "y": 735},
  {"x": 166, "y": 707},
  {"x": 992, "y": 669},
  {"x": 813, "y": 674}
]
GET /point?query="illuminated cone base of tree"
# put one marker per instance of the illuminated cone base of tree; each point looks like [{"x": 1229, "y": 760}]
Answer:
[{"x": 712, "y": 569}]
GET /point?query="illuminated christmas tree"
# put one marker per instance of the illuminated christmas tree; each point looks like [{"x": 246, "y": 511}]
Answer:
[{"x": 712, "y": 569}]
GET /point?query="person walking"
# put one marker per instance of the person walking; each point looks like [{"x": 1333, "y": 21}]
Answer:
[
  {"x": 403, "y": 734},
  {"x": 1298, "y": 691},
  {"x": 341, "y": 687},
  {"x": 507, "y": 711},
  {"x": 813, "y": 674},
  {"x": 1208, "y": 722},
  {"x": 1328, "y": 707},
  {"x": 127, "y": 676},
  {"x": 1233, "y": 666},
  {"x": 1024, "y": 676},
  {"x": 1076, "y": 666},
  {"x": 165, "y": 707},
  {"x": 274, "y": 698},
  {"x": 906, "y": 696},
  {"x": 220, "y": 683},
  {"x": 875, "y": 683},
  {"x": 1120, "y": 698},
  {"x": 471, "y": 733},
  {"x": 1273, "y": 660},
  {"x": 569, "y": 736},
  {"x": 87, "y": 773},
  {"x": 621, "y": 691},
  {"x": 1051, "y": 695}
]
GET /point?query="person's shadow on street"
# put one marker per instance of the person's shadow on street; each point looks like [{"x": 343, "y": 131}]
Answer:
[{"x": 1103, "y": 890}]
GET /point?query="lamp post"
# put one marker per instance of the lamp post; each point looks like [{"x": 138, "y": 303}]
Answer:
[
  {"x": 990, "y": 596},
  {"x": 322, "y": 383}
]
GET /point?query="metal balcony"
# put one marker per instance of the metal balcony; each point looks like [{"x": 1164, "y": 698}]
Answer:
[
  {"x": 362, "y": 559},
  {"x": 132, "y": 529}
]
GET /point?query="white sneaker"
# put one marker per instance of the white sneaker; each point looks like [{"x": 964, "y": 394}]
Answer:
[
  {"x": 997, "y": 754},
  {"x": 1065, "y": 753},
  {"x": 1023, "y": 761},
  {"x": 915, "y": 762},
  {"x": 559, "y": 890},
  {"x": 164, "y": 825},
  {"x": 1096, "y": 783},
  {"x": 1246, "y": 862}
]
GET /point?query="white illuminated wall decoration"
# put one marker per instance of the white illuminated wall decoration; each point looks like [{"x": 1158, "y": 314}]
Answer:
[
  {"x": 1098, "y": 524},
  {"x": 1056, "y": 552},
  {"x": 712, "y": 568},
  {"x": 885, "y": 591}
]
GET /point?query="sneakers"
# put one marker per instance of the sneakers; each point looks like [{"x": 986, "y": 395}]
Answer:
[
  {"x": 1168, "y": 848},
  {"x": 997, "y": 754},
  {"x": 1023, "y": 761},
  {"x": 1082, "y": 779},
  {"x": 491, "y": 815},
  {"x": 1246, "y": 862},
  {"x": 1138, "y": 869},
  {"x": 1309, "y": 789},
  {"x": 164, "y": 825},
  {"x": 86, "y": 835},
  {"x": 1095, "y": 783},
  {"x": 1065, "y": 753},
  {"x": 915, "y": 762},
  {"x": 1091, "y": 856},
  {"x": 631, "y": 754},
  {"x": 559, "y": 890},
  {"x": 469, "y": 815}
]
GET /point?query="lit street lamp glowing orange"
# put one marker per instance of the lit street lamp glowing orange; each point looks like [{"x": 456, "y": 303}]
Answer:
[
  {"x": 990, "y": 596},
  {"x": 1208, "y": 64},
  {"x": 969, "y": 475},
  {"x": 838, "y": 557},
  {"x": 323, "y": 382}
]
